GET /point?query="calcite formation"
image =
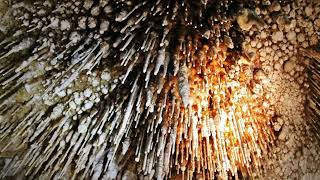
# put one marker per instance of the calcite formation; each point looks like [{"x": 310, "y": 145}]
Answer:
[{"x": 128, "y": 89}]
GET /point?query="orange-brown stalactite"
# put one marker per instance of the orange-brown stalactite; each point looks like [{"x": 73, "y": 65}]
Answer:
[
  {"x": 224, "y": 127},
  {"x": 143, "y": 89}
]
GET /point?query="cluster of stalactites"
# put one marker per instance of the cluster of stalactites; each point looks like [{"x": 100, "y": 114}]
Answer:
[
  {"x": 219, "y": 119},
  {"x": 313, "y": 103},
  {"x": 104, "y": 83}
]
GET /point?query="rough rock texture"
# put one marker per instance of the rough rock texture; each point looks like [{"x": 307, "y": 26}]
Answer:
[
  {"x": 296, "y": 151},
  {"x": 84, "y": 84}
]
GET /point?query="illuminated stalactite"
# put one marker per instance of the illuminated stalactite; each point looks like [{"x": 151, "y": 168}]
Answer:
[
  {"x": 224, "y": 127},
  {"x": 106, "y": 89}
]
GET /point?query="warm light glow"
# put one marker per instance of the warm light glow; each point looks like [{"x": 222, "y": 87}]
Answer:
[{"x": 224, "y": 128}]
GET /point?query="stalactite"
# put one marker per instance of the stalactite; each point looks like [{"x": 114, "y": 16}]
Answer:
[{"x": 165, "y": 86}]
